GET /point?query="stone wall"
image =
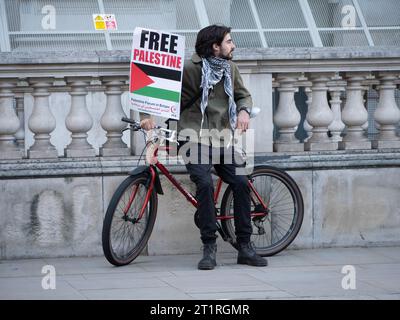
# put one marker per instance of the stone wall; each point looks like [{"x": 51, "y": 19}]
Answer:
[{"x": 50, "y": 208}]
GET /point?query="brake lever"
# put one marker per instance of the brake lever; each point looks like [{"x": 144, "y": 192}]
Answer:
[{"x": 171, "y": 136}]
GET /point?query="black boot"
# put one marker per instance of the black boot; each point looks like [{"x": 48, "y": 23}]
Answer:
[
  {"x": 209, "y": 261},
  {"x": 247, "y": 255}
]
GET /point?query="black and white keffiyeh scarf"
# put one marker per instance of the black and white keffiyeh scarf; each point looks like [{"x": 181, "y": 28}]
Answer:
[{"x": 213, "y": 70}]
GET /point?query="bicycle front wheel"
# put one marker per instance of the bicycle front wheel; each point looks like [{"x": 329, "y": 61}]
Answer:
[
  {"x": 125, "y": 233},
  {"x": 275, "y": 227}
]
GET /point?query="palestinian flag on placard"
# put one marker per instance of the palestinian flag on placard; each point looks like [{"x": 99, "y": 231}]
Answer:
[{"x": 155, "y": 82}]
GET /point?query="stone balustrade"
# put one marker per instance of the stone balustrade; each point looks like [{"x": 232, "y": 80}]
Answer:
[
  {"x": 346, "y": 122},
  {"x": 335, "y": 87},
  {"x": 41, "y": 122}
]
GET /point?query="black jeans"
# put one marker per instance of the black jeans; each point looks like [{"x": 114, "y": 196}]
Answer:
[{"x": 200, "y": 173}]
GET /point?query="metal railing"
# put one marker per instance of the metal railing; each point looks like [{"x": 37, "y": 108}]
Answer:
[{"x": 67, "y": 25}]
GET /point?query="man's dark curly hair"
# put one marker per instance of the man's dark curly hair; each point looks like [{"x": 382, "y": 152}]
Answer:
[{"x": 207, "y": 37}]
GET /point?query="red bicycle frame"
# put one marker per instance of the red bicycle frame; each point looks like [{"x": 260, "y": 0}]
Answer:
[{"x": 187, "y": 194}]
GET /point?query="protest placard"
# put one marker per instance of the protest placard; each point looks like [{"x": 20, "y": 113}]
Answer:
[{"x": 156, "y": 72}]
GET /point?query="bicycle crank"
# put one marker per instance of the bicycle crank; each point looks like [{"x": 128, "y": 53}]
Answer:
[{"x": 258, "y": 223}]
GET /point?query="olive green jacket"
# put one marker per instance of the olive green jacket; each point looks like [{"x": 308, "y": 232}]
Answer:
[{"x": 216, "y": 114}]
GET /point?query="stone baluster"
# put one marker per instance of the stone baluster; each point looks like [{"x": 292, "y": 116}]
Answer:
[
  {"x": 337, "y": 125},
  {"x": 41, "y": 122},
  {"x": 9, "y": 122},
  {"x": 303, "y": 82},
  {"x": 369, "y": 83},
  {"x": 79, "y": 120},
  {"x": 387, "y": 114},
  {"x": 286, "y": 116},
  {"x": 354, "y": 114},
  {"x": 111, "y": 119},
  {"x": 319, "y": 115},
  {"x": 20, "y": 134},
  {"x": 366, "y": 124},
  {"x": 306, "y": 126}
]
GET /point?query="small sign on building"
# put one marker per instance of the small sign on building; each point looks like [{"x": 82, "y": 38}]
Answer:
[
  {"x": 156, "y": 72},
  {"x": 104, "y": 22}
]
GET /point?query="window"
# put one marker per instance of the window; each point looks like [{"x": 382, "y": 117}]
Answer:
[{"x": 255, "y": 23}]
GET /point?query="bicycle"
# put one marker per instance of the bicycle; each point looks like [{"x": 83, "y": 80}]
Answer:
[{"x": 276, "y": 207}]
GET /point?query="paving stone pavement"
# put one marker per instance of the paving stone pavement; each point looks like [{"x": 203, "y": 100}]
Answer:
[{"x": 292, "y": 274}]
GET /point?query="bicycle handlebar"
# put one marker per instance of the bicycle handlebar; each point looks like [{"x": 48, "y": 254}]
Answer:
[
  {"x": 135, "y": 126},
  {"x": 129, "y": 121}
]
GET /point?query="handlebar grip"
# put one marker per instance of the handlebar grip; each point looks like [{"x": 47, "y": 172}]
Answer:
[{"x": 129, "y": 120}]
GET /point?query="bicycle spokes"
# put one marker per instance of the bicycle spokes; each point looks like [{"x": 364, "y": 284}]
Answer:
[
  {"x": 131, "y": 198},
  {"x": 127, "y": 226},
  {"x": 255, "y": 197},
  {"x": 281, "y": 210},
  {"x": 276, "y": 210}
]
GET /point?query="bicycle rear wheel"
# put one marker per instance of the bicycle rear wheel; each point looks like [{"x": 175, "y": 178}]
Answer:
[
  {"x": 124, "y": 236},
  {"x": 276, "y": 227}
]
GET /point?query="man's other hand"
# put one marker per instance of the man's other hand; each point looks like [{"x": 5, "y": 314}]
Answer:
[
  {"x": 243, "y": 121},
  {"x": 147, "y": 124}
]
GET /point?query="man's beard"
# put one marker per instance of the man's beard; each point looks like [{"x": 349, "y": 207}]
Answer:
[{"x": 227, "y": 57}]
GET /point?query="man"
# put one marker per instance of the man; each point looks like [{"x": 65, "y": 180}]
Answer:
[{"x": 218, "y": 100}]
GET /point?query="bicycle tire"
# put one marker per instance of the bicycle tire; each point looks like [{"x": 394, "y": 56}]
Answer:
[
  {"x": 283, "y": 181},
  {"x": 113, "y": 215}
]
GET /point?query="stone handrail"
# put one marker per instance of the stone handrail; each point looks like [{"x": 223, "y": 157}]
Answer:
[{"x": 318, "y": 70}]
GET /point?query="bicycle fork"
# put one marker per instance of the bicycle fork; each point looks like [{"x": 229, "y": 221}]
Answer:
[{"x": 150, "y": 185}]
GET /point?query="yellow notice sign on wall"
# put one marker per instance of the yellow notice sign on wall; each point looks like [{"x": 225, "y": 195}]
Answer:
[{"x": 104, "y": 22}]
